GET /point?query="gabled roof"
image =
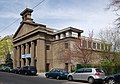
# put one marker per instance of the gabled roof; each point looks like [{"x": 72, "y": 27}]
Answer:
[{"x": 30, "y": 23}]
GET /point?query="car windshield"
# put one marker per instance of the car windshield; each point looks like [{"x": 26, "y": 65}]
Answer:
[{"x": 99, "y": 70}]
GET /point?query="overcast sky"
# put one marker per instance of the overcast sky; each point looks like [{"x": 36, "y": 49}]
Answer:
[{"x": 58, "y": 14}]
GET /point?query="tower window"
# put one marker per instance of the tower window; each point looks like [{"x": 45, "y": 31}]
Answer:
[{"x": 66, "y": 45}]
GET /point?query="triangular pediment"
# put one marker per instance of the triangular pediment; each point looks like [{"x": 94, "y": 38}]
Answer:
[{"x": 23, "y": 29}]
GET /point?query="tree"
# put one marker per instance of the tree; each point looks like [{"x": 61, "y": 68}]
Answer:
[
  {"x": 115, "y": 6},
  {"x": 8, "y": 61},
  {"x": 83, "y": 53},
  {"x": 6, "y": 47},
  {"x": 78, "y": 50},
  {"x": 110, "y": 37}
]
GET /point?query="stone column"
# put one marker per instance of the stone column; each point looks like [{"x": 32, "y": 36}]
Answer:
[
  {"x": 27, "y": 52},
  {"x": 15, "y": 57},
  {"x": 32, "y": 54},
  {"x": 41, "y": 61},
  {"x": 18, "y": 56},
  {"x": 22, "y": 53}
]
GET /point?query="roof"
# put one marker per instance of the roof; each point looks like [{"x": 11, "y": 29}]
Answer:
[
  {"x": 25, "y": 11},
  {"x": 69, "y": 29}
]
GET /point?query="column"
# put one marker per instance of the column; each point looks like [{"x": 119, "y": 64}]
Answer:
[
  {"x": 32, "y": 54},
  {"x": 14, "y": 58},
  {"x": 41, "y": 62},
  {"x": 22, "y": 53},
  {"x": 27, "y": 52},
  {"x": 18, "y": 56}
]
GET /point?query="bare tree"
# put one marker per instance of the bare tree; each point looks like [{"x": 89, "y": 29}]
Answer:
[{"x": 110, "y": 37}]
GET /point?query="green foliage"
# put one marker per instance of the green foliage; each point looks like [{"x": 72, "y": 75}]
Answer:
[
  {"x": 8, "y": 61},
  {"x": 6, "y": 46}
]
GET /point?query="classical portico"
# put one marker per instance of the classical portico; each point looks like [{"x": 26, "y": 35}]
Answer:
[{"x": 29, "y": 43}]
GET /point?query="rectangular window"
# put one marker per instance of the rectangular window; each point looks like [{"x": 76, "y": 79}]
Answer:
[
  {"x": 102, "y": 46},
  {"x": 89, "y": 44},
  {"x": 47, "y": 47},
  {"x": 84, "y": 42},
  {"x": 87, "y": 70},
  {"x": 66, "y": 45},
  {"x": 98, "y": 45},
  {"x": 94, "y": 45},
  {"x": 106, "y": 47}
]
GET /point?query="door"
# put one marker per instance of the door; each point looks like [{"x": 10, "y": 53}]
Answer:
[
  {"x": 47, "y": 67},
  {"x": 78, "y": 74},
  {"x": 86, "y": 74}
]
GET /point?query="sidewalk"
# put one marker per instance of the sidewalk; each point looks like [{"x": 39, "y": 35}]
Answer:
[{"x": 41, "y": 74}]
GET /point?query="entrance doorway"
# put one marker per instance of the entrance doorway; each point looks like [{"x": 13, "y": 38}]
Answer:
[
  {"x": 66, "y": 66},
  {"x": 47, "y": 67}
]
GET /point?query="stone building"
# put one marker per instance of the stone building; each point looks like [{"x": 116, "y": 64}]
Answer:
[{"x": 37, "y": 45}]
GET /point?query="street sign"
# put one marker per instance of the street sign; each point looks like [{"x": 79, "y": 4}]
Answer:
[{"x": 26, "y": 56}]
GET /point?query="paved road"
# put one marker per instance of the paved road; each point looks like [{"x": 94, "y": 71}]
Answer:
[{"x": 10, "y": 78}]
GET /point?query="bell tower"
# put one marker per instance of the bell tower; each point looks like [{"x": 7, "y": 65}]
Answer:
[{"x": 26, "y": 15}]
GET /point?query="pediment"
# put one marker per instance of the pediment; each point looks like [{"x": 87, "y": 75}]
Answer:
[{"x": 23, "y": 29}]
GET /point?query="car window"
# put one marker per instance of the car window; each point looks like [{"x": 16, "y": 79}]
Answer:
[
  {"x": 79, "y": 71},
  {"x": 87, "y": 70},
  {"x": 32, "y": 68},
  {"x": 24, "y": 68},
  {"x": 99, "y": 70}
]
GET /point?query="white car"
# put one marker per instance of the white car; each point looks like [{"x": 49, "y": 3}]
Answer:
[{"x": 87, "y": 74}]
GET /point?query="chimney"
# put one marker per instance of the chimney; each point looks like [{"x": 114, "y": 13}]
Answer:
[{"x": 26, "y": 15}]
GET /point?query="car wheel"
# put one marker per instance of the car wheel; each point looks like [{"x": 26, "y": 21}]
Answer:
[
  {"x": 47, "y": 76},
  {"x": 57, "y": 77},
  {"x": 111, "y": 81},
  {"x": 26, "y": 73},
  {"x": 91, "y": 80},
  {"x": 70, "y": 78}
]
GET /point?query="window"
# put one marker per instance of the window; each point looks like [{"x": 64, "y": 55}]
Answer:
[
  {"x": 89, "y": 44},
  {"x": 47, "y": 47},
  {"x": 79, "y": 71},
  {"x": 84, "y": 43},
  {"x": 106, "y": 47},
  {"x": 87, "y": 70},
  {"x": 66, "y": 45},
  {"x": 74, "y": 34},
  {"x": 94, "y": 45},
  {"x": 98, "y": 45},
  {"x": 102, "y": 46}
]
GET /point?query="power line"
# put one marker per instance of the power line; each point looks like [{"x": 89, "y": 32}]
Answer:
[
  {"x": 9, "y": 25},
  {"x": 38, "y": 4},
  {"x": 4, "y": 28}
]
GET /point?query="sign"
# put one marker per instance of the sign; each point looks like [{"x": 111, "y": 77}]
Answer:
[{"x": 26, "y": 56}]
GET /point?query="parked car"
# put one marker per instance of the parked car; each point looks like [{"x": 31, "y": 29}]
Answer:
[
  {"x": 15, "y": 70},
  {"x": 113, "y": 79},
  {"x": 5, "y": 69},
  {"x": 57, "y": 73},
  {"x": 28, "y": 70},
  {"x": 91, "y": 75}
]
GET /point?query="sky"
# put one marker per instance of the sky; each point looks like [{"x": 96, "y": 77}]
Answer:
[{"x": 86, "y": 15}]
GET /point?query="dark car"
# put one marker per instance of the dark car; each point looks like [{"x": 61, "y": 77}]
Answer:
[
  {"x": 28, "y": 70},
  {"x": 113, "y": 79},
  {"x": 15, "y": 70},
  {"x": 57, "y": 73}
]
